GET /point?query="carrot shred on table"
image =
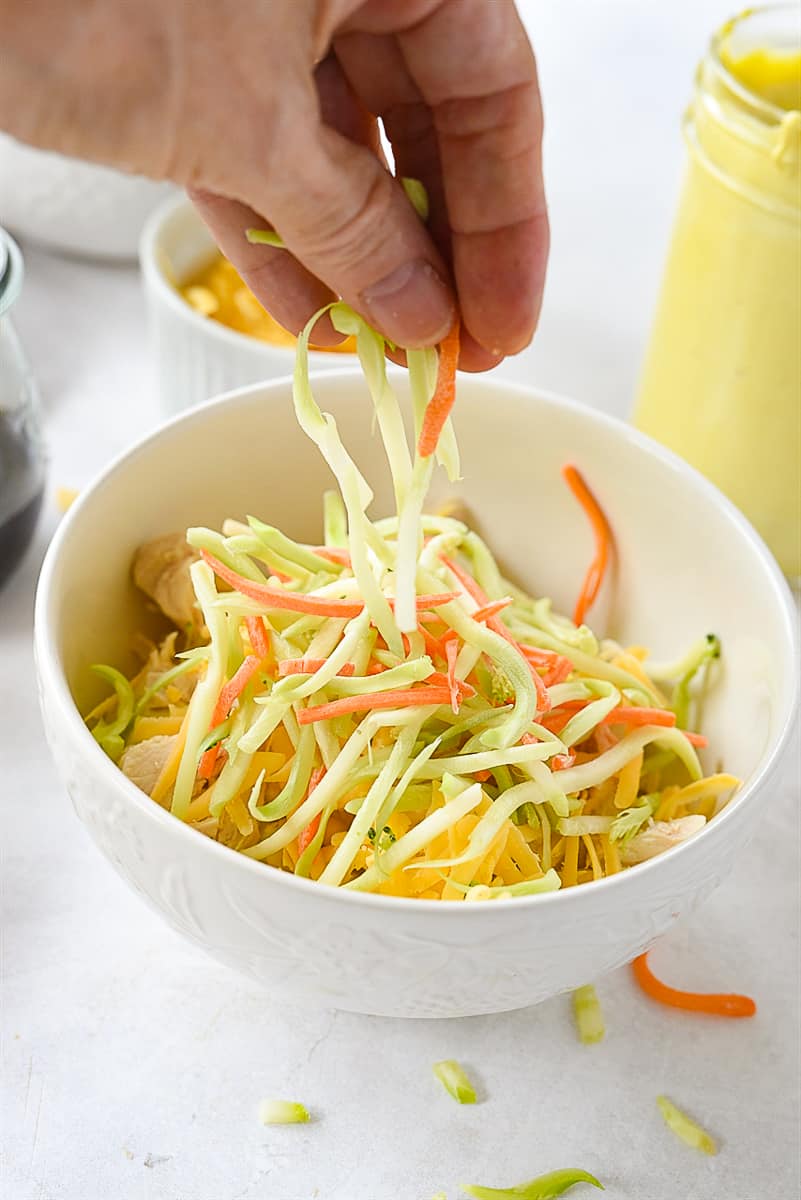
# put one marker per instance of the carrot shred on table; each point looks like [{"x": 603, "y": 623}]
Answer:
[
  {"x": 603, "y": 542},
  {"x": 720, "y": 1005},
  {"x": 440, "y": 405},
  {"x": 418, "y": 697},
  {"x": 228, "y": 694}
]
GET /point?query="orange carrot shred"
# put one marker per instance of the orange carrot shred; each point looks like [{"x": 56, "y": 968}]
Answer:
[
  {"x": 334, "y": 554},
  {"x": 307, "y": 835},
  {"x": 434, "y": 645},
  {"x": 409, "y": 698},
  {"x": 259, "y": 638},
  {"x": 628, "y": 715},
  {"x": 452, "y": 653},
  {"x": 308, "y": 666},
  {"x": 441, "y": 403},
  {"x": 275, "y": 598},
  {"x": 723, "y": 1005},
  {"x": 603, "y": 542},
  {"x": 228, "y": 694}
]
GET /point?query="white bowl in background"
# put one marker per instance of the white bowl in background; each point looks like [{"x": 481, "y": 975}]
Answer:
[
  {"x": 73, "y": 206},
  {"x": 688, "y": 563},
  {"x": 195, "y": 356}
]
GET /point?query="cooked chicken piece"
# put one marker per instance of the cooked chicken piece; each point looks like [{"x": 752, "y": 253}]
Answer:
[
  {"x": 144, "y": 762},
  {"x": 161, "y": 570},
  {"x": 660, "y": 836}
]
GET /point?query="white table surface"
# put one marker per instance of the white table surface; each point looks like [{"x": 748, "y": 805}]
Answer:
[{"x": 133, "y": 1067}]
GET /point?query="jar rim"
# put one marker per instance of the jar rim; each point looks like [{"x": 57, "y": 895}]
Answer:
[
  {"x": 772, "y": 113},
  {"x": 11, "y": 271}
]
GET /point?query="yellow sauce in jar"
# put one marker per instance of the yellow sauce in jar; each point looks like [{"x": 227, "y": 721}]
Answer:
[
  {"x": 218, "y": 292},
  {"x": 722, "y": 377}
]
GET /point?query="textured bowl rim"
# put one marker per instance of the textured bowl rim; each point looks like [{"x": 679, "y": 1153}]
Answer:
[
  {"x": 166, "y": 294},
  {"x": 52, "y": 675}
]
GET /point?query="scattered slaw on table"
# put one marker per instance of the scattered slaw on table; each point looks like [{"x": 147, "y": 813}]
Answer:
[{"x": 386, "y": 712}]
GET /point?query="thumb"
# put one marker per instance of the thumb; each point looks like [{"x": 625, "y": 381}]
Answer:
[{"x": 349, "y": 222}]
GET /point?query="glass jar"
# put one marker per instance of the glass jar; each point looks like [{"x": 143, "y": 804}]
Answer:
[
  {"x": 722, "y": 377},
  {"x": 22, "y": 459}
]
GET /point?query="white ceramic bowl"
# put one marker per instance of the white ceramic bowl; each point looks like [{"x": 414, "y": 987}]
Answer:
[
  {"x": 78, "y": 207},
  {"x": 688, "y": 563},
  {"x": 196, "y": 357}
]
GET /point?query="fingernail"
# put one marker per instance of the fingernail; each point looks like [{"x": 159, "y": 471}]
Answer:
[{"x": 412, "y": 306}]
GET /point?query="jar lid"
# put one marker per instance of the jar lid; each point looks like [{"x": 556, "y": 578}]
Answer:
[{"x": 11, "y": 270}]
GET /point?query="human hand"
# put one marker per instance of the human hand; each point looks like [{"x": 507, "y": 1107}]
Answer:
[{"x": 264, "y": 112}]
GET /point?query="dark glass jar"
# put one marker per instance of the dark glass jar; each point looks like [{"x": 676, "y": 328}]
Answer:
[{"x": 22, "y": 458}]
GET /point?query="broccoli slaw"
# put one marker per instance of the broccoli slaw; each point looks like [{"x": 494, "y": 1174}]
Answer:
[{"x": 386, "y": 712}]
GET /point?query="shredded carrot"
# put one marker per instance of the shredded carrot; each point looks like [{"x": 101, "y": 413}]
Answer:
[
  {"x": 696, "y": 739},
  {"x": 558, "y": 717},
  {"x": 438, "y": 679},
  {"x": 307, "y": 835},
  {"x": 334, "y": 554},
  {"x": 402, "y": 698},
  {"x": 542, "y": 658},
  {"x": 481, "y": 614},
  {"x": 719, "y": 1005},
  {"x": 626, "y": 715},
  {"x": 441, "y": 403},
  {"x": 275, "y": 598},
  {"x": 452, "y": 653},
  {"x": 603, "y": 541},
  {"x": 229, "y": 693},
  {"x": 560, "y": 762},
  {"x": 434, "y": 646},
  {"x": 473, "y": 589},
  {"x": 558, "y": 673},
  {"x": 429, "y": 600},
  {"x": 317, "y": 606},
  {"x": 308, "y": 666},
  {"x": 259, "y": 638},
  {"x": 492, "y": 609}
]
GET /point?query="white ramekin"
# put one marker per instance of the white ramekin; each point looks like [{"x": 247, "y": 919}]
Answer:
[{"x": 195, "y": 357}]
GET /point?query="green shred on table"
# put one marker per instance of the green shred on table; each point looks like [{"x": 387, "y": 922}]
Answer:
[
  {"x": 685, "y": 1128},
  {"x": 455, "y": 1081},
  {"x": 588, "y": 1014},
  {"x": 544, "y": 1187}
]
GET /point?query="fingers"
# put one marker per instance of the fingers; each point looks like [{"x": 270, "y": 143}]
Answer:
[
  {"x": 287, "y": 290},
  {"x": 474, "y": 67},
  {"x": 378, "y": 74},
  {"x": 350, "y": 223}
]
